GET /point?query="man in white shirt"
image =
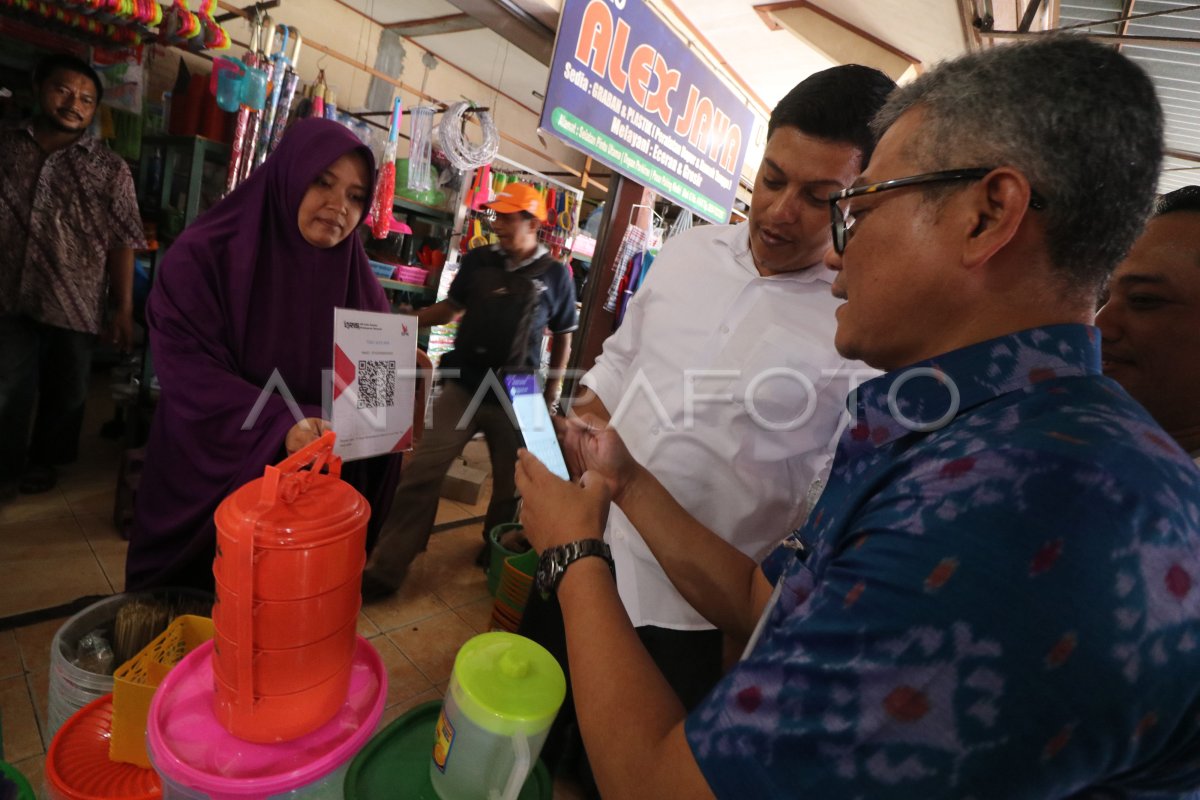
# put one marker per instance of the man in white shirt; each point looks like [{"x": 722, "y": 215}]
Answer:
[{"x": 723, "y": 379}]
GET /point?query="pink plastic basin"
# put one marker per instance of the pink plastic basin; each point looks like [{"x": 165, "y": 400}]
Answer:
[{"x": 190, "y": 748}]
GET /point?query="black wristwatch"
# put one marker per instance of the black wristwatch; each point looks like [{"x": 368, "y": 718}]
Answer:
[{"x": 555, "y": 560}]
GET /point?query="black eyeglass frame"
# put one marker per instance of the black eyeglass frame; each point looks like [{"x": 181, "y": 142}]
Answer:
[{"x": 838, "y": 220}]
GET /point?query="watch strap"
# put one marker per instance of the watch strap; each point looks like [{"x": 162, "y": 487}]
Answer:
[{"x": 553, "y": 563}]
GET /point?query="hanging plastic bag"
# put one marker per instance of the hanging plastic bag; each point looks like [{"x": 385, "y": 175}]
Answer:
[
  {"x": 682, "y": 223},
  {"x": 462, "y": 154},
  {"x": 420, "y": 147}
]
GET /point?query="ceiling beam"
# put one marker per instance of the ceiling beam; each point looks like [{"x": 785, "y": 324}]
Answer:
[
  {"x": 1108, "y": 38},
  {"x": 836, "y": 39},
  {"x": 1127, "y": 16},
  {"x": 1182, "y": 156},
  {"x": 706, "y": 49},
  {"x": 967, "y": 14},
  {"x": 1126, "y": 12},
  {"x": 1031, "y": 11},
  {"x": 512, "y": 23},
  {"x": 432, "y": 26},
  {"x": 424, "y": 48},
  {"x": 364, "y": 67},
  {"x": 259, "y": 6}
]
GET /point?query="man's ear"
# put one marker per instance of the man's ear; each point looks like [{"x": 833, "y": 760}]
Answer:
[{"x": 999, "y": 204}]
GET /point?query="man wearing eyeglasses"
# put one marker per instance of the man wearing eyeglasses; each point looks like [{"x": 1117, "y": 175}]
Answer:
[{"x": 998, "y": 594}]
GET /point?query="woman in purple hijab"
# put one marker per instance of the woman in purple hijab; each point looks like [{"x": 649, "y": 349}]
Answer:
[{"x": 244, "y": 300}]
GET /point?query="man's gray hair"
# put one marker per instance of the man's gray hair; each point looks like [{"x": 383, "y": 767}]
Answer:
[{"x": 1078, "y": 119}]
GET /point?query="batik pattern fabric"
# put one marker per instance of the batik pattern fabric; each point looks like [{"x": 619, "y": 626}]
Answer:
[
  {"x": 999, "y": 597},
  {"x": 60, "y": 215}
]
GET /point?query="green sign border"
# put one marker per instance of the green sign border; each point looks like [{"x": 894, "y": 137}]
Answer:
[{"x": 622, "y": 158}]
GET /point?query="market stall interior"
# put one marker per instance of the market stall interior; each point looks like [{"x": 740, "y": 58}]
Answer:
[{"x": 451, "y": 96}]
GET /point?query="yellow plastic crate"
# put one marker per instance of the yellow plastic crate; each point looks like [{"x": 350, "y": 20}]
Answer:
[{"x": 135, "y": 681}]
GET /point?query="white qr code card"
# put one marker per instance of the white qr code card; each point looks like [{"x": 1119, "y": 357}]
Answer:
[{"x": 374, "y": 382}]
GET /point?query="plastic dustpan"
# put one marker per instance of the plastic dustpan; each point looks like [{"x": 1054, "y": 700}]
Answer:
[{"x": 394, "y": 225}]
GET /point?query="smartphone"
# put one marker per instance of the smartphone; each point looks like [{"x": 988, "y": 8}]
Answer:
[{"x": 533, "y": 418}]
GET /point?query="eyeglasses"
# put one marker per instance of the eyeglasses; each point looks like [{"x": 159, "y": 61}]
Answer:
[{"x": 843, "y": 222}]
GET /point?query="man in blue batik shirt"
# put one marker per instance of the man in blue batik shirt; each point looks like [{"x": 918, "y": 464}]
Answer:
[{"x": 998, "y": 595}]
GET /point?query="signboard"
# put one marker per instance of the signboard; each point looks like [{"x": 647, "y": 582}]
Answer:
[
  {"x": 627, "y": 91},
  {"x": 374, "y": 382}
]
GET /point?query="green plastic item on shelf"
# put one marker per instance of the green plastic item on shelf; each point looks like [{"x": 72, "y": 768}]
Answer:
[
  {"x": 395, "y": 763},
  {"x": 429, "y": 197},
  {"x": 9, "y": 777}
]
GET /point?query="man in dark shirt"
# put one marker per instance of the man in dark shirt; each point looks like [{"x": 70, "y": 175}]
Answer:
[
  {"x": 68, "y": 226},
  {"x": 471, "y": 398}
]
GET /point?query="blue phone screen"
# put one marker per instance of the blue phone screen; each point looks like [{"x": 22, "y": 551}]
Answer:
[{"x": 534, "y": 419}]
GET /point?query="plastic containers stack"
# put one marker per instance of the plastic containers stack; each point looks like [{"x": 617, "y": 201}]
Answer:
[
  {"x": 510, "y": 578},
  {"x": 286, "y": 693},
  {"x": 497, "y": 537},
  {"x": 290, "y": 551}
]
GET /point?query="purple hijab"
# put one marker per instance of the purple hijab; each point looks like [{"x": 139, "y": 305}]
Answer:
[{"x": 240, "y": 296}]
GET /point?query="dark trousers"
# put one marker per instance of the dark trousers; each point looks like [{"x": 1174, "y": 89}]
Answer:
[
  {"x": 414, "y": 509},
  {"x": 44, "y": 374},
  {"x": 691, "y": 661}
]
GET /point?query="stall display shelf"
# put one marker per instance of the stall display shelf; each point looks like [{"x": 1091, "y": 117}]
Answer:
[
  {"x": 429, "y": 212},
  {"x": 178, "y": 177},
  {"x": 388, "y": 283}
]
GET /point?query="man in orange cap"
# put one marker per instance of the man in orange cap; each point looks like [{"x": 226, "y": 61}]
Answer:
[{"x": 504, "y": 297}]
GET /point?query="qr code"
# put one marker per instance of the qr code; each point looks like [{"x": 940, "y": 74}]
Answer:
[{"x": 376, "y": 383}]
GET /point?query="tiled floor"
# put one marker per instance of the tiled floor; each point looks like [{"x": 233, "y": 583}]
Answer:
[{"x": 61, "y": 545}]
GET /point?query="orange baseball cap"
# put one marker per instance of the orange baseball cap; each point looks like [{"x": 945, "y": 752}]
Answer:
[{"x": 515, "y": 197}]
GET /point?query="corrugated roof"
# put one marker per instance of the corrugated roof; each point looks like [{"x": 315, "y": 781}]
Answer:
[{"x": 1174, "y": 68}]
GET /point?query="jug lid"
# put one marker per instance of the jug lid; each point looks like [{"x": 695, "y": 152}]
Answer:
[{"x": 507, "y": 682}]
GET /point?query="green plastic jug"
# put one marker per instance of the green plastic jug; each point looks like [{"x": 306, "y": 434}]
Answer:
[{"x": 504, "y": 693}]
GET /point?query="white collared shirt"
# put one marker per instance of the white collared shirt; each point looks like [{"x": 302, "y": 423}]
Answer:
[{"x": 707, "y": 346}]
